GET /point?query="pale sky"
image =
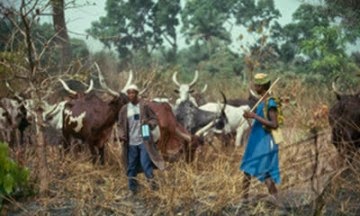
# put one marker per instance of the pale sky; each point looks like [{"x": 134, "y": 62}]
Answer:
[{"x": 79, "y": 19}]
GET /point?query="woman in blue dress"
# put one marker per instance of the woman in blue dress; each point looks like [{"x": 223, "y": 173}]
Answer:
[{"x": 261, "y": 157}]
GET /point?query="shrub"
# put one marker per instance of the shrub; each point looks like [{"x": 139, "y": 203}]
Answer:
[{"x": 13, "y": 177}]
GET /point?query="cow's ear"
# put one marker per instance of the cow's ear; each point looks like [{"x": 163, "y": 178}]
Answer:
[
  {"x": 176, "y": 91},
  {"x": 191, "y": 91}
]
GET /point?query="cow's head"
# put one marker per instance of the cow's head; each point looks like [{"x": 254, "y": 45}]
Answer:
[
  {"x": 75, "y": 94},
  {"x": 220, "y": 123},
  {"x": 18, "y": 107},
  {"x": 184, "y": 90}
]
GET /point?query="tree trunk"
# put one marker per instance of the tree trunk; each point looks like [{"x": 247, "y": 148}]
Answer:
[
  {"x": 41, "y": 153},
  {"x": 62, "y": 38},
  {"x": 37, "y": 114}
]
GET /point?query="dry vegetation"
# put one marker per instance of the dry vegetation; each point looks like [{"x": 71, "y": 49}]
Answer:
[{"x": 211, "y": 185}]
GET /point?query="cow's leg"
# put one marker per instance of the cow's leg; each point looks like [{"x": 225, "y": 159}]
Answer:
[
  {"x": 93, "y": 152},
  {"x": 102, "y": 155},
  {"x": 66, "y": 144},
  {"x": 189, "y": 153},
  {"x": 22, "y": 138},
  {"x": 225, "y": 139}
]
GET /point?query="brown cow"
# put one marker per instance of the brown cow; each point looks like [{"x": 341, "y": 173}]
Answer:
[
  {"x": 88, "y": 118},
  {"x": 174, "y": 139}
]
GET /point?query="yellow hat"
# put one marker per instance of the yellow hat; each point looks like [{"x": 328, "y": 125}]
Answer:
[{"x": 261, "y": 79}]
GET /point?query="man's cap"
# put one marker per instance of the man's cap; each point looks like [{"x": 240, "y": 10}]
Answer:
[
  {"x": 132, "y": 87},
  {"x": 261, "y": 79}
]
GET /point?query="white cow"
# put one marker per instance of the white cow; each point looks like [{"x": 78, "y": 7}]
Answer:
[{"x": 236, "y": 122}]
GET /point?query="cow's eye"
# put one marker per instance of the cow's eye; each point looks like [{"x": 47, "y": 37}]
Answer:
[{"x": 177, "y": 91}]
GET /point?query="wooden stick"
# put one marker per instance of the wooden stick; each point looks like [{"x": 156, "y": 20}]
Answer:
[
  {"x": 267, "y": 92},
  {"x": 259, "y": 101}
]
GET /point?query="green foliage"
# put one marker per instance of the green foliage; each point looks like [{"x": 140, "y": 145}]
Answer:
[
  {"x": 305, "y": 19},
  {"x": 79, "y": 48},
  {"x": 348, "y": 13},
  {"x": 213, "y": 57},
  {"x": 137, "y": 25},
  {"x": 12, "y": 176},
  {"x": 205, "y": 19},
  {"x": 256, "y": 15},
  {"x": 326, "y": 49}
]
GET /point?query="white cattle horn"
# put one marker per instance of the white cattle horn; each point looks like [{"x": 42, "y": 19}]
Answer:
[
  {"x": 204, "y": 89},
  {"x": 195, "y": 79},
  {"x": 90, "y": 87},
  {"x": 129, "y": 81},
  {"x": 334, "y": 87},
  {"x": 183, "y": 135},
  {"x": 254, "y": 94},
  {"x": 13, "y": 91},
  {"x": 175, "y": 80},
  {"x": 103, "y": 83},
  {"x": 66, "y": 87},
  {"x": 204, "y": 129}
]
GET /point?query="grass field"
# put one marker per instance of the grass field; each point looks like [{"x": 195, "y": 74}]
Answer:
[{"x": 211, "y": 185}]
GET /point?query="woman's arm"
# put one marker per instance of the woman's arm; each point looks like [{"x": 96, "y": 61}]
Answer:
[{"x": 272, "y": 123}]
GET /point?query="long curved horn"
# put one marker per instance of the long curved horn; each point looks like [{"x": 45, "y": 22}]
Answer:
[
  {"x": 66, "y": 87},
  {"x": 128, "y": 82},
  {"x": 16, "y": 94},
  {"x": 175, "y": 80},
  {"x": 103, "y": 83},
  {"x": 143, "y": 91},
  {"x": 337, "y": 92},
  {"x": 13, "y": 91},
  {"x": 195, "y": 79},
  {"x": 90, "y": 87},
  {"x": 201, "y": 131},
  {"x": 204, "y": 89},
  {"x": 182, "y": 135},
  {"x": 254, "y": 94}
]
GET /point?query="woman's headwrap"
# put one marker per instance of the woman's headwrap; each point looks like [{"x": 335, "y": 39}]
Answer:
[{"x": 261, "y": 79}]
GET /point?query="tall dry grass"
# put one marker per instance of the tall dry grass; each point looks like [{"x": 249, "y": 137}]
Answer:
[{"x": 211, "y": 185}]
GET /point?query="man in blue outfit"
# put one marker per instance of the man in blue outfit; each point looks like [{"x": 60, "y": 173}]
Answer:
[{"x": 261, "y": 157}]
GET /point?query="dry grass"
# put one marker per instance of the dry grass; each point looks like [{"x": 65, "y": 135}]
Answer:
[{"x": 211, "y": 185}]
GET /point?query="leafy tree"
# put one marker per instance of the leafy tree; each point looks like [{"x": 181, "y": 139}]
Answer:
[
  {"x": 256, "y": 15},
  {"x": 259, "y": 18},
  {"x": 326, "y": 50},
  {"x": 215, "y": 57},
  {"x": 137, "y": 25},
  {"x": 348, "y": 11},
  {"x": 205, "y": 19},
  {"x": 79, "y": 49},
  {"x": 305, "y": 19}
]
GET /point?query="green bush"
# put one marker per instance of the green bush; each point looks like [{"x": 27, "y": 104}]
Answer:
[{"x": 13, "y": 177}]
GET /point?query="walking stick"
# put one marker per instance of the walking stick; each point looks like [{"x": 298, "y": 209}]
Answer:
[{"x": 267, "y": 92}]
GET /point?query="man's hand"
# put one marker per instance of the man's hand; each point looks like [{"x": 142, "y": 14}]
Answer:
[
  {"x": 122, "y": 139},
  {"x": 248, "y": 114}
]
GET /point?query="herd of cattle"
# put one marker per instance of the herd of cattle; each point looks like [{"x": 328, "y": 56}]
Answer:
[{"x": 182, "y": 126}]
